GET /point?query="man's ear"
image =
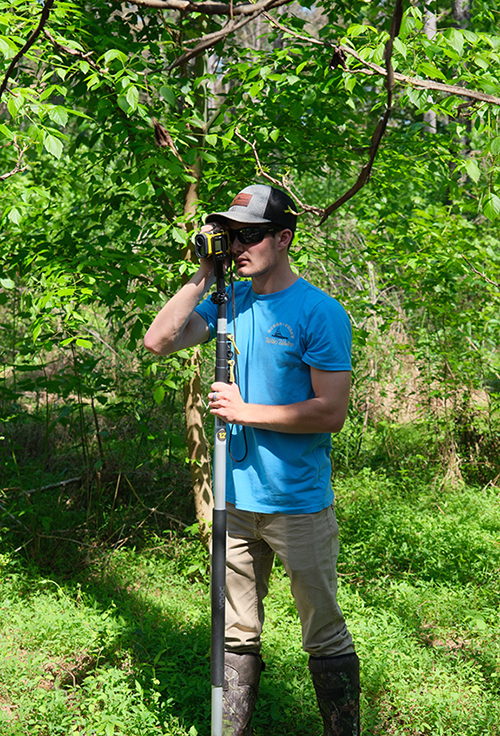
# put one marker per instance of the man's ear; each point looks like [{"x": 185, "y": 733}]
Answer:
[{"x": 285, "y": 238}]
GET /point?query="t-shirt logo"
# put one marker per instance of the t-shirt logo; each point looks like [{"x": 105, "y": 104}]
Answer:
[{"x": 280, "y": 334}]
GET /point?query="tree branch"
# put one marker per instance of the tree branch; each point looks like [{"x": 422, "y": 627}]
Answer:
[
  {"x": 340, "y": 53},
  {"x": 163, "y": 139},
  {"x": 365, "y": 173},
  {"x": 480, "y": 273},
  {"x": 211, "y": 39},
  {"x": 72, "y": 52},
  {"x": 17, "y": 168},
  {"x": 279, "y": 183},
  {"x": 372, "y": 69},
  {"x": 430, "y": 84},
  {"x": 29, "y": 43},
  {"x": 206, "y": 6}
]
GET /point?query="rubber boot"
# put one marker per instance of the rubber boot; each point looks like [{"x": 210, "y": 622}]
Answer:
[
  {"x": 336, "y": 681},
  {"x": 241, "y": 687}
]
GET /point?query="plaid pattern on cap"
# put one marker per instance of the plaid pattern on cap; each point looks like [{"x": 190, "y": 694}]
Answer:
[{"x": 260, "y": 203}]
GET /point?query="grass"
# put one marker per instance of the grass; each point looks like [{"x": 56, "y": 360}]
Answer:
[
  {"x": 104, "y": 594},
  {"x": 120, "y": 646}
]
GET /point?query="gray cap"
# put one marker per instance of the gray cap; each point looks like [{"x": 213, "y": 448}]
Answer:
[{"x": 260, "y": 203}]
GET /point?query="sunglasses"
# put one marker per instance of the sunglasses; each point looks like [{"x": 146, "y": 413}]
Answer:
[{"x": 251, "y": 234}]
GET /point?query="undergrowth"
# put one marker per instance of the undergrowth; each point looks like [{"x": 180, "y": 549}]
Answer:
[
  {"x": 104, "y": 596},
  {"x": 122, "y": 646}
]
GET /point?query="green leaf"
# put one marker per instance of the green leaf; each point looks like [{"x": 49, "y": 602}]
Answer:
[
  {"x": 357, "y": 30},
  {"x": 133, "y": 269},
  {"x": 14, "y": 216},
  {"x": 489, "y": 84},
  {"x": 473, "y": 170},
  {"x": 481, "y": 624},
  {"x": 256, "y": 88},
  {"x": 211, "y": 140},
  {"x": 58, "y": 114},
  {"x": 115, "y": 54},
  {"x": 133, "y": 97},
  {"x": 7, "y": 47},
  {"x": 401, "y": 47},
  {"x": 429, "y": 70},
  {"x": 83, "y": 343},
  {"x": 36, "y": 332},
  {"x": 7, "y": 283},
  {"x": 482, "y": 61},
  {"x": 14, "y": 104},
  {"x": 159, "y": 394},
  {"x": 494, "y": 146},
  {"x": 6, "y": 132},
  {"x": 228, "y": 137},
  {"x": 178, "y": 235},
  {"x": 455, "y": 39},
  {"x": 470, "y": 36},
  {"x": 491, "y": 207},
  {"x": 349, "y": 82},
  {"x": 52, "y": 145},
  {"x": 168, "y": 95},
  {"x": 123, "y": 103},
  {"x": 210, "y": 157}
]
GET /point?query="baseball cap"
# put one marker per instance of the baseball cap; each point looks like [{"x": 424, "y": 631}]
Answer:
[{"x": 260, "y": 203}]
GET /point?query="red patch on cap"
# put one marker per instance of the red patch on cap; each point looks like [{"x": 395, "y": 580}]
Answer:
[{"x": 241, "y": 200}]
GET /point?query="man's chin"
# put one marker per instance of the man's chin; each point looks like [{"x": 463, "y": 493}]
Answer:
[{"x": 240, "y": 269}]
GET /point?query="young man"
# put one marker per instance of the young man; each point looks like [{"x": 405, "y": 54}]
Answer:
[{"x": 292, "y": 392}]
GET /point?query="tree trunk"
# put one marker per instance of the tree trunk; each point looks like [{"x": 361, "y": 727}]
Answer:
[
  {"x": 430, "y": 30},
  {"x": 461, "y": 12},
  {"x": 199, "y": 456},
  {"x": 198, "y": 450}
]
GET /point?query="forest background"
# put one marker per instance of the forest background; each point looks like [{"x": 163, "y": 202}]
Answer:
[{"x": 121, "y": 125}]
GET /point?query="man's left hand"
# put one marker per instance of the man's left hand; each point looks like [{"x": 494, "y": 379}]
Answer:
[{"x": 225, "y": 402}]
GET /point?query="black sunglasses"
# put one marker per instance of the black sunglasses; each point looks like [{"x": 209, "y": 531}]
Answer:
[{"x": 251, "y": 234}]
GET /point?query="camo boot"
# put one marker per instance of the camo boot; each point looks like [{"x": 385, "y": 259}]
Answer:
[
  {"x": 241, "y": 687},
  {"x": 336, "y": 681}
]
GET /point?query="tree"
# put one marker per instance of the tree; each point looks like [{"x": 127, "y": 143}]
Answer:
[{"x": 98, "y": 213}]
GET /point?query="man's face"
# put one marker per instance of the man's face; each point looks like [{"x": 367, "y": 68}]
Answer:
[{"x": 256, "y": 258}]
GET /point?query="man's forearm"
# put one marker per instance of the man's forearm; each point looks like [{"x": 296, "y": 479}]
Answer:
[
  {"x": 171, "y": 329},
  {"x": 305, "y": 417},
  {"x": 325, "y": 412}
]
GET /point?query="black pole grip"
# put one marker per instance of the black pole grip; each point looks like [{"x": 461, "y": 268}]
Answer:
[{"x": 218, "y": 582}]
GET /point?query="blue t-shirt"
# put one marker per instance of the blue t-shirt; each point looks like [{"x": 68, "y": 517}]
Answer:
[{"x": 280, "y": 336}]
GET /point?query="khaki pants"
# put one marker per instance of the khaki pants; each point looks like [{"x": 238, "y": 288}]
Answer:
[{"x": 307, "y": 545}]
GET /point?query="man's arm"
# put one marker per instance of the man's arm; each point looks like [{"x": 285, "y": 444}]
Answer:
[
  {"x": 326, "y": 412},
  {"x": 177, "y": 325}
]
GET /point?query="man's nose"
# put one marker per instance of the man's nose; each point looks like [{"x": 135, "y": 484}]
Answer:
[{"x": 236, "y": 246}]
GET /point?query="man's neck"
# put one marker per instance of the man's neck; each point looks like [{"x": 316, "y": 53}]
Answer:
[{"x": 270, "y": 283}]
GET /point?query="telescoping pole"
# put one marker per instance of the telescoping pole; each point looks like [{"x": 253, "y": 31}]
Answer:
[{"x": 218, "y": 566}]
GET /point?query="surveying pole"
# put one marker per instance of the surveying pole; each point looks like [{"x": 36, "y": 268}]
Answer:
[{"x": 219, "y": 522}]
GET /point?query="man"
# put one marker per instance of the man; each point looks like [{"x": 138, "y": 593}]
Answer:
[{"x": 291, "y": 393}]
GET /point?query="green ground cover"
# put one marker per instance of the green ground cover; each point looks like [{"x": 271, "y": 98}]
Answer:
[{"x": 120, "y": 645}]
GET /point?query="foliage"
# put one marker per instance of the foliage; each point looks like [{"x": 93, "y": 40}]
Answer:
[
  {"x": 95, "y": 225},
  {"x": 104, "y": 138},
  {"x": 121, "y": 646}
]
